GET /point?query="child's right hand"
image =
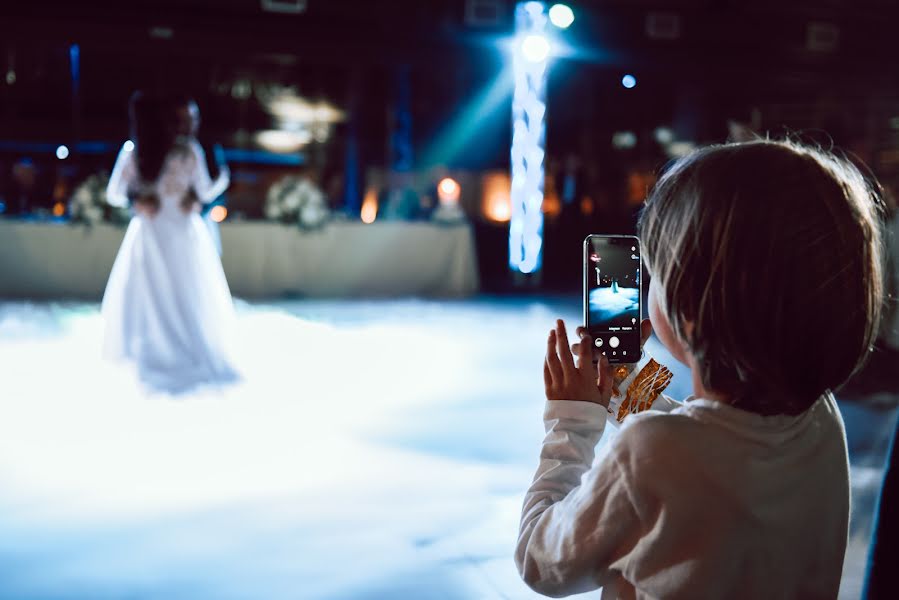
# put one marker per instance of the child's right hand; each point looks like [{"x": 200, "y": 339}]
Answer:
[{"x": 565, "y": 380}]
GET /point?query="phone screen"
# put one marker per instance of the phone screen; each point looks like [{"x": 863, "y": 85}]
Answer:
[{"x": 612, "y": 298}]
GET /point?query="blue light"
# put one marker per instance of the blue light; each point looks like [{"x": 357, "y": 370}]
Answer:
[
  {"x": 530, "y": 64},
  {"x": 62, "y": 152},
  {"x": 535, "y": 48},
  {"x": 75, "y": 62},
  {"x": 629, "y": 81},
  {"x": 561, "y": 16}
]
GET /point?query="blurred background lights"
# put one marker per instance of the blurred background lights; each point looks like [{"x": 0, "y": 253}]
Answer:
[
  {"x": 62, "y": 152},
  {"x": 664, "y": 135},
  {"x": 218, "y": 213},
  {"x": 369, "y": 209},
  {"x": 535, "y": 48},
  {"x": 129, "y": 146},
  {"x": 497, "y": 200},
  {"x": 280, "y": 141},
  {"x": 561, "y": 16},
  {"x": 448, "y": 190},
  {"x": 629, "y": 81},
  {"x": 624, "y": 139}
]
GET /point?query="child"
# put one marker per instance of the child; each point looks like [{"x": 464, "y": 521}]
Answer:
[{"x": 767, "y": 281}]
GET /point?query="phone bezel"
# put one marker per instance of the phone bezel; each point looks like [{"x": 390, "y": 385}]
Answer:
[{"x": 586, "y": 286}]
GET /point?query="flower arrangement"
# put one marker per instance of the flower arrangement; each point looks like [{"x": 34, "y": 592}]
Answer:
[
  {"x": 296, "y": 200},
  {"x": 88, "y": 204}
]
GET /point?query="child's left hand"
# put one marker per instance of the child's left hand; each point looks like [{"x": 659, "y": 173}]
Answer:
[{"x": 565, "y": 380}]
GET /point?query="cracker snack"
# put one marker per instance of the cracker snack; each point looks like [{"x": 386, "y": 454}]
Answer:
[{"x": 642, "y": 386}]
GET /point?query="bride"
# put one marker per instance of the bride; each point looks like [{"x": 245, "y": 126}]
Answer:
[{"x": 167, "y": 306}]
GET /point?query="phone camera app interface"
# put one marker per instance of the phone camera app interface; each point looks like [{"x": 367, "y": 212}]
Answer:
[{"x": 614, "y": 285}]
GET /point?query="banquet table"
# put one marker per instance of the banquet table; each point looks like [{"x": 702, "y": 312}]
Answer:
[{"x": 261, "y": 259}]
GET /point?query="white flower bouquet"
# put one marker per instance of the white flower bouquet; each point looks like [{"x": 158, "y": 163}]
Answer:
[
  {"x": 296, "y": 200},
  {"x": 88, "y": 204}
]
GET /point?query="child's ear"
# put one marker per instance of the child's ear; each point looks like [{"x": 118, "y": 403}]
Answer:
[{"x": 683, "y": 353}]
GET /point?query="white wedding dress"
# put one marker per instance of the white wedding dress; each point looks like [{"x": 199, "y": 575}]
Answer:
[{"x": 167, "y": 306}]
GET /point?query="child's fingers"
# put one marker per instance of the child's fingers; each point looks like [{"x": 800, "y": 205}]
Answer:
[
  {"x": 565, "y": 356},
  {"x": 584, "y": 355},
  {"x": 580, "y": 332},
  {"x": 547, "y": 379},
  {"x": 606, "y": 377},
  {"x": 645, "y": 331},
  {"x": 552, "y": 358}
]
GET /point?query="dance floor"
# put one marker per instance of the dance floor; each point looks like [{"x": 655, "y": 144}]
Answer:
[{"x": 374, "y": 450}]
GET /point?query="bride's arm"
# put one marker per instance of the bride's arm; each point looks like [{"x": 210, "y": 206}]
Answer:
[
  {"x": 203, "y": 185},
  {"x": 123, "y": 174}
]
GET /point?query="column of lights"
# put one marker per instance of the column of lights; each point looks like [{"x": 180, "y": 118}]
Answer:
[{"x": 529, "y": 63}]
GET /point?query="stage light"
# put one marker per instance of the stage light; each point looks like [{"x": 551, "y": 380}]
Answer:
[
  {"x": 369, "y": 206},
  {"x": 62, "y": 152},
  {"x": 448, "y": 190},
  {"x": 129, "y": 146},
  {"x": 218, "y": 213},
  {"x": 535, "y": 48},
  {"x": 528, "y": 138},
  {"x": 10, "y": 77},
  {"x": 561, "y": 16},
  {"x": 629, "y": 81},
  {"x": 59, "y": 209}
]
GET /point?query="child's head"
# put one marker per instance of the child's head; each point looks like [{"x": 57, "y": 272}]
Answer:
[{"x": 766, "y": 262}]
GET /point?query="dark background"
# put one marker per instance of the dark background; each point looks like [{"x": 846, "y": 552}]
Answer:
[{"x": 824, "y": 70}]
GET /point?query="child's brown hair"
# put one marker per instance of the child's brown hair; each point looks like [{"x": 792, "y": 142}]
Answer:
[{"x": 772, "y": 251}]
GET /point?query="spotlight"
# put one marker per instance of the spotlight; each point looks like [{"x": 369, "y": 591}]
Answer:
[
  {"x": 218, "y": 213},
  {"x": 10, "y": 77},
  {"x": 561, "y": 16},
  {"x": 448, "y": 190},
  {"x": 535, "y": 48},
  {"x": 62, "y": 152},
  {"x": 129, "y": 146},
  {"x": 629, "y": 81}
]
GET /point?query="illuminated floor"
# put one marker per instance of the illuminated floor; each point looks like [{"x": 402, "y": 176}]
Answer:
[{"x": 375, "y": 450}]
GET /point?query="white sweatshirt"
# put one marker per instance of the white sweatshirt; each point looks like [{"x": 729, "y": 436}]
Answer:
[{"x": 706, "y": 501}]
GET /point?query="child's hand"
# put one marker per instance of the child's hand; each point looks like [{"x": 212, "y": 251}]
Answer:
[{"x": 566, "y": 381}]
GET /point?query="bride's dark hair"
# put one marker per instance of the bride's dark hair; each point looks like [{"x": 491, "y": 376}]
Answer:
[{"x": 152, "y": 133}]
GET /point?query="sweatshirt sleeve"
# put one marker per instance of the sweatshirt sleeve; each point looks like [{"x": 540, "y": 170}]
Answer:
[{"x": 578, "y": 520}]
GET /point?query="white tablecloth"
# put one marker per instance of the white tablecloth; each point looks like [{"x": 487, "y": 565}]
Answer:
[{"x": 50, "y": 260}]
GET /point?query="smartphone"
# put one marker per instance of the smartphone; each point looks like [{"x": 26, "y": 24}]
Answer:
[{"x": 612, "y": 296}]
